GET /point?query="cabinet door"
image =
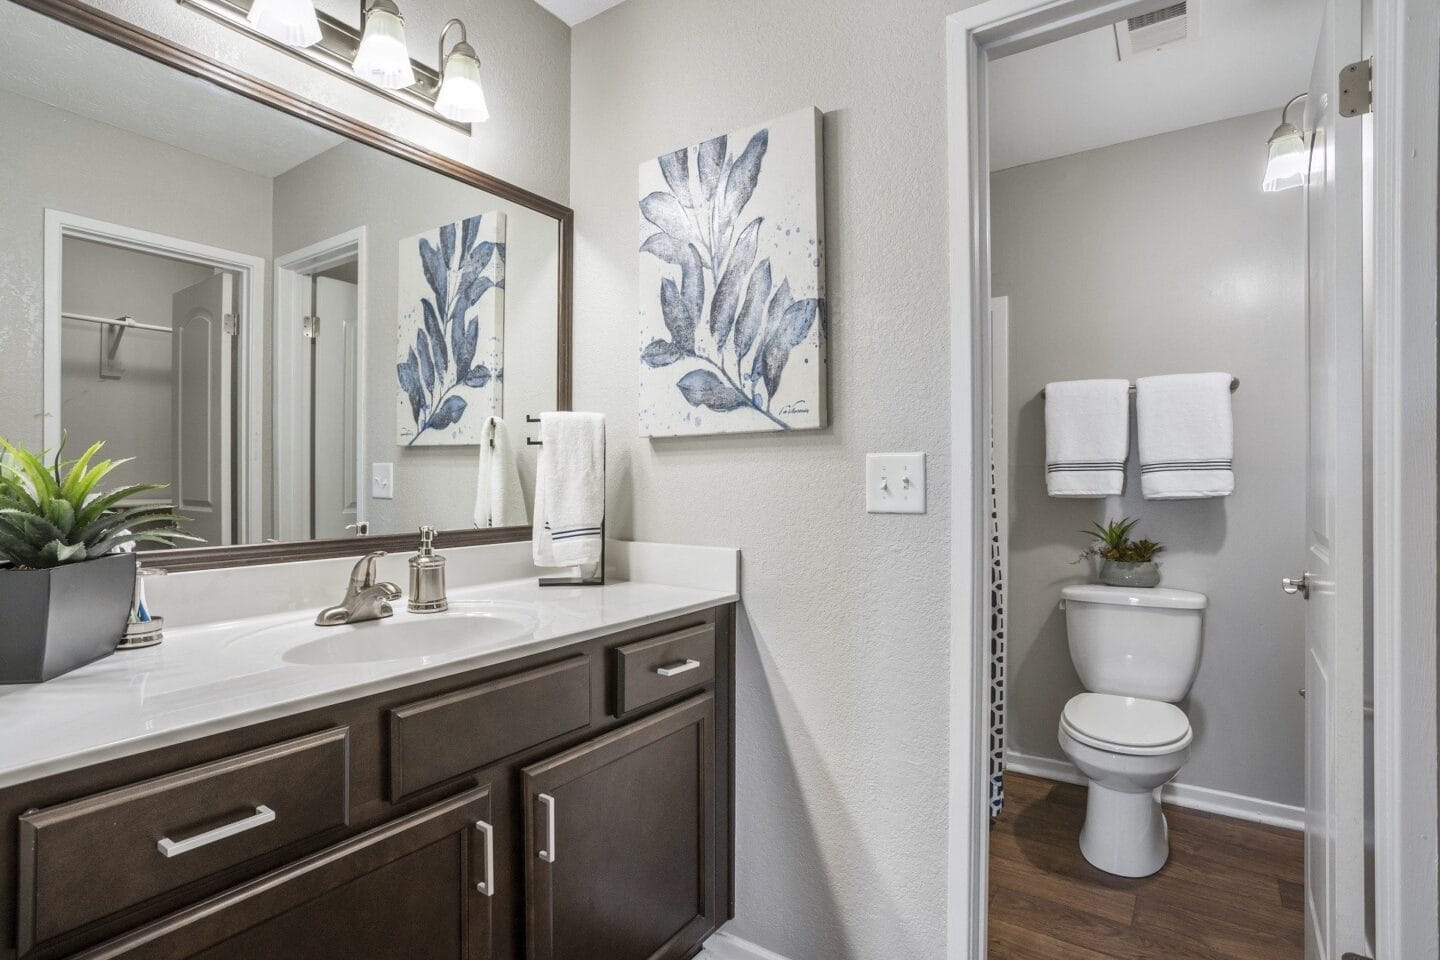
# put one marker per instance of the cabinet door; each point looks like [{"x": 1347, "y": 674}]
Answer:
[
  {"x": 411, "y": 888},
  {"x": 620, "y": 842}
]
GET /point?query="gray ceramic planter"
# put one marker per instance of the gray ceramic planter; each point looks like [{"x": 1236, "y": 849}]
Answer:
[
  {"x": 52, "y": 621},
  {"x": 1116, "y": 574}
]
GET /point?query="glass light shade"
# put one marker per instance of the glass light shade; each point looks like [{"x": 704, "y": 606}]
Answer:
[
  {"x": 462, "y": 98},
  {"x": 1289, "y": 158},
  {"x": 383, "y": 58},
  {"x": 292, "y": 22}
]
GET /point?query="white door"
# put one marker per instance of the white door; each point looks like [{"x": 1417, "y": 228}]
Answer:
[
  {"x": 1336, "y": 508},
  {"x": 202, "y": 408},
  {"x": 333, "y": 421}
]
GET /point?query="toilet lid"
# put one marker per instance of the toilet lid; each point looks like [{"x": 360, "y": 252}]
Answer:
[{"x": 1126, "y": 724}]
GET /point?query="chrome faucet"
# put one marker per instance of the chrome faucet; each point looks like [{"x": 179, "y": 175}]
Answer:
[{"x": 364, "y": 598}]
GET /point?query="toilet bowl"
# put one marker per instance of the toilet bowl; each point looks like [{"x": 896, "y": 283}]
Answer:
[
  {"x": 1137, "y": 651},
  {"x": 1127, "y": 748}
]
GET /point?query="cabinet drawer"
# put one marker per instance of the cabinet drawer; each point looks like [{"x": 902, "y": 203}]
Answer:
[
  {"x": 91, "y": 858},
  {"x": 443, "y": 737},
  {"x": 651, "y": 670}
]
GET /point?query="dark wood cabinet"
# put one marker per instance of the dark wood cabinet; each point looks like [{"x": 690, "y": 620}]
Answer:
[
  {"x": 407, "y": 889},
  {"x": 407, "y": 824},
  {"x": 620, "y": 841}
]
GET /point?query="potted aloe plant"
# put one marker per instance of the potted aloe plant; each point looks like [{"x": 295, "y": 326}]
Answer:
[
  {"x": 1124, "y": 562},
  {"x": 67, "y": 577}
]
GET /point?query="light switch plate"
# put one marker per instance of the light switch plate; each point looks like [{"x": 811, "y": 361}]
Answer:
[
  {"x": 895, "y": 482},
  {"x": 382, "y": 481}
]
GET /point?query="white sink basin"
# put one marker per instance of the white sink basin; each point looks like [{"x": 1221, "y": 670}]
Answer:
[{"x": 464, "y": 630}]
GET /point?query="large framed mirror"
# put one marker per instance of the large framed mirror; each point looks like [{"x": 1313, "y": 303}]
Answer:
[{"x": 304, "y": 326}]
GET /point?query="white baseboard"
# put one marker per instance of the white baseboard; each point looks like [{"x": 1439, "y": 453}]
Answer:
[
  {"x": 727, "y": 946},
  {"x": 1180, "y": 794}
]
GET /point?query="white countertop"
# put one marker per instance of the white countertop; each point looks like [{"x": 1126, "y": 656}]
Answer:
[{"x": 209, "y": 677}]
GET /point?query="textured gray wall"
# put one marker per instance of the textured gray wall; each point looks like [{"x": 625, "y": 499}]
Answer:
[
  {"x": 58, "y": 160},
  {"x": 843, "y": 659},
  {"x": 1162, "y": 255}
]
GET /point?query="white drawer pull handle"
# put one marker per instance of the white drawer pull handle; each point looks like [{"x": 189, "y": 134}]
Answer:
[
  {"x": 548, "y": 802},
  {"x": 676, "y": 669},
  {"x": 173, "y": 848},
  {"x": 487, "y": 886}
]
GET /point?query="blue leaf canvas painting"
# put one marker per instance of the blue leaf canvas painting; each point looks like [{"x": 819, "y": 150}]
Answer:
[
  {"x": 732, "y": 283},
  {"x": 452, "y": 321}
]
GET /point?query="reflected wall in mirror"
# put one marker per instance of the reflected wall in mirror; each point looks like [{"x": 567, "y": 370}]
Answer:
[{"x": 221, "y": 290}]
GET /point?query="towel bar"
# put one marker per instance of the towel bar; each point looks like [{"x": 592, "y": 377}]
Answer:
[{"x": 1234, "y": 385}]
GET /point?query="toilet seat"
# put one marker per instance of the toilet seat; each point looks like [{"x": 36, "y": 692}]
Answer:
[{"x": 1126, "y": 725}]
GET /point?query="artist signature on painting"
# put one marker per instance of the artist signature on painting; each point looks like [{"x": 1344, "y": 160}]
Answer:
[{"x": 797, "y": 408}]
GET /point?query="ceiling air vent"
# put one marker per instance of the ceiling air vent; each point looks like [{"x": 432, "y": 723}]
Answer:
[{"x": 1154, "y": 31}]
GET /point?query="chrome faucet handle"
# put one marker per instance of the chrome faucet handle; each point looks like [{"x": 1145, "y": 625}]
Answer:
[{"x": 362, "y": 577}]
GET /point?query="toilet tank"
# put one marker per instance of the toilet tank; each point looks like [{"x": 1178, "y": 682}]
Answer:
[{"x": 1134, "y": 642}]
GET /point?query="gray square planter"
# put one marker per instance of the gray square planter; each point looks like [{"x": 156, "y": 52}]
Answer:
[{"x": 52, "y": 621}]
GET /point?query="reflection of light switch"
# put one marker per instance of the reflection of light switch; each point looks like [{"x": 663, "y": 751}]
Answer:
[
  {"x": 895, "y": 483},
  {"x": 382, "y": 481}
]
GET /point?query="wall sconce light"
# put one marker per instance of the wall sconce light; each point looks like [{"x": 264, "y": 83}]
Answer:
[
  {"x": 462, "y": 96},
  {"x": 383, "y": 59},
  {"x": 1289, "y": 154},
  {"x": 292, "y": 22},
  {"x": 374, "y": 55}
]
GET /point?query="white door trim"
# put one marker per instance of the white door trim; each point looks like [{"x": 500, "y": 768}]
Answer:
[
  {"x": 1404, "y": 454},
  {"x": 250, "y": 351},
  {"x": 291, "y": 377},
  {"x": 1407, "y": 112}
]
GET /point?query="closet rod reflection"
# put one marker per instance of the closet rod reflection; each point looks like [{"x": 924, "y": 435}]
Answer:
[{"x": 1234, "y": 385}]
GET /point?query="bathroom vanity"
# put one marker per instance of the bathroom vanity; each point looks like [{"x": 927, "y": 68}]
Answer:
[{"x": 566, "y": 792}]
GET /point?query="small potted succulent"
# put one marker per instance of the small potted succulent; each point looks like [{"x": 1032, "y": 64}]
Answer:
[
  {"x": 67, "y": 573},
  {"x": 1124, "y": 562}
]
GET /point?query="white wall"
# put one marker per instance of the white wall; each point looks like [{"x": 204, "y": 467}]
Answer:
[
  {"x": 54, "y": 159},
  {"x": 843, "y": 650},
  {"x": 336, "y": 192},
  {"x": 132, "y": 414},
  {"x": 1155, "y": 256}
]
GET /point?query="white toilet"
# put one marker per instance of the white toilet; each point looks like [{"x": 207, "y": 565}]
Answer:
[{"x": 1137, "y": 652}]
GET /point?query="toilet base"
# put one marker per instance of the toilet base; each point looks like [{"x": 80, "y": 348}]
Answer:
[{"x": 1124, "y": 833}]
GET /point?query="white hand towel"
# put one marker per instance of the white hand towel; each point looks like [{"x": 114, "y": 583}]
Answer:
[
  {"x": 570, "y": 490},
  {"x": 1187, "y": 436},
  {"x": 499, "y": 499},
  {"x": 1087, "y": 437}
]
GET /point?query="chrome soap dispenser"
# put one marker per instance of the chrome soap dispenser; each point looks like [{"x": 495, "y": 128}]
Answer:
[{"x": 427, "y": 577}]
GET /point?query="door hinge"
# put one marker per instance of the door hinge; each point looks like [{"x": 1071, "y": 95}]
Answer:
[
  {"x": 1356, "y": 94},
  {"x": 230, "y": 325},
  {"x": 310, "y": 327}
]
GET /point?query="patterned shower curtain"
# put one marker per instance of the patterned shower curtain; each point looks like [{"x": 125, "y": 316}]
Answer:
[{"x": 997, "y": 645}]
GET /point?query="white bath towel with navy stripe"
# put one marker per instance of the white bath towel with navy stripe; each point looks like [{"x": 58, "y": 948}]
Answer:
[
  {"x": 1087, "y": 437},
  {"x": 1187, "y": 436},
  {"x": 570, "y": 490}
]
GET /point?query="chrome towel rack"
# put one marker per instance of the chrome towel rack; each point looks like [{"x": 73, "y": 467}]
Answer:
[{"x": 1234, "y": 385}]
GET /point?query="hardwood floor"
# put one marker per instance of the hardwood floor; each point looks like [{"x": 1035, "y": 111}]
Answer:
[{"x": 1232, "y": 890}]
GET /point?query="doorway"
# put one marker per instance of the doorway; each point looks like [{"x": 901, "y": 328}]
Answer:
[
  {"x": 148, "y": 343},
  {"x": 977, "y": 37},
  {"x": 319, "y": 389}
]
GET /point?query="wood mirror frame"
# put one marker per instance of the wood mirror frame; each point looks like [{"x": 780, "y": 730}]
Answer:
[{"x": 109, "y": 27}]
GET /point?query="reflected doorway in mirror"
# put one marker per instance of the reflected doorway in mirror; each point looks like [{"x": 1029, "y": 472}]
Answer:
[{"x": 452, "y": 322}]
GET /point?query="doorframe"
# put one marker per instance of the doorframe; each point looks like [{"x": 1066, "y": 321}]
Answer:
[
  {"x": 1404, "y": 479},
  {"x": 291, "y": 375},
  {"x": 1404, "y": 451},
  {"x": 249, "y": 348}
]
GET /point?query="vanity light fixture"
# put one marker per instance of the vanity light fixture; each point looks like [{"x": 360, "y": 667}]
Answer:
[
  {"x": 1289, "y": 154},
  {"x": 462, "y": 97},
  {"x": 372, "y": 55},
  {"x": 383, "y": 59},
  {"x": 292, "y": 22}
]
